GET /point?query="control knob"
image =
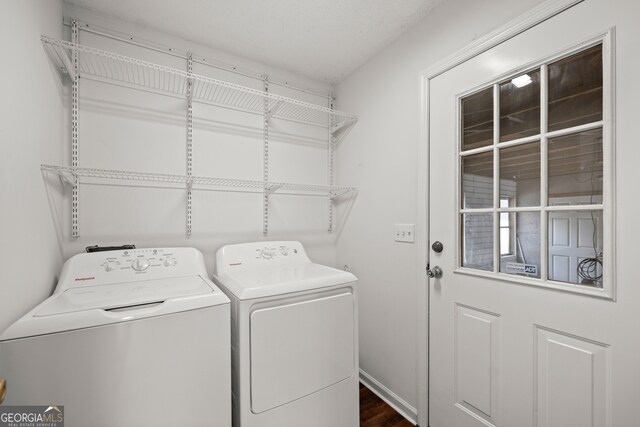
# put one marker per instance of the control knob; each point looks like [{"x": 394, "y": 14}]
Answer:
[
  {"x": 266, "y": 253},
  {"x": 140, "y": 264},
  {"x": 110, "y": 266}
]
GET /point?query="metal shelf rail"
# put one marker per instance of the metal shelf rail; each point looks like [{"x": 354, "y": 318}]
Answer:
[
  {"x": 158, "y": 78},
  {"x": 72, "y": 175},
  {"x": 77, "y": 61}
]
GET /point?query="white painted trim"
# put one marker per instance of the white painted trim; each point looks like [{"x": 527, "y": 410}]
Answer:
[
  {"x": 511, "y": 29},
  {"x": 422, "y": 252},
  {"x": 609, "y": 189},
  {"x": 392, "y": 399},
  {"x": 527, "y": 20}
]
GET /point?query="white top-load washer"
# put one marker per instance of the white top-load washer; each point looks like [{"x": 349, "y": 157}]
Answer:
[
  {"x": 129, "y": 338},
  {"x": 294, "y": 337}
]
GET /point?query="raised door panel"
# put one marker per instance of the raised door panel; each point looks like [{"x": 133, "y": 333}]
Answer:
[
  {"x": 560, "y": 268},
  {"x": 560, "y": 232},
  {"x": 571, "y": 380},
  {"x": 476, "y": 362}
]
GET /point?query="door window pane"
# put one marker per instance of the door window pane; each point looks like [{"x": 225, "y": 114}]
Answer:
[
  {"x": 506, "y": 233},
  {"x": 575, "y": 89},
  {"x": 505, "y": 239},
  {"x": 477, "y": 119},
  {"x": 520, "y": 106},
  {"x": 504, "y": 220},
  {"x": 575, "y": 247},
  {"x": 575, "y": 169},
  {"x": 477, "y": 241},
  {"x": 520, "y": 174},
  {"x": 521, "y": 252},
  {"x": 477, "y": 181}
]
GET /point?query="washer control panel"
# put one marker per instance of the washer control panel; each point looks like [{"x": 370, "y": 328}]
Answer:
[
  {"x": 138, "y": 260},
  {"x": 92, "y": 269}
]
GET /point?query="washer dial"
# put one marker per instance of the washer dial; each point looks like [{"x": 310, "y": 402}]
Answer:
[{"x": 140, "y": 264}]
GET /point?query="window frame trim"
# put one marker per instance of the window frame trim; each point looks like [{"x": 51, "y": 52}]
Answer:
[{"x": 607, "y": 124}]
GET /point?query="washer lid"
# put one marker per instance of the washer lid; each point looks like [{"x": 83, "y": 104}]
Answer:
[
  {"x": 266, "y": 282},
  {"x": 86, "y": 307},
  {"x": 119, "y": 295}
]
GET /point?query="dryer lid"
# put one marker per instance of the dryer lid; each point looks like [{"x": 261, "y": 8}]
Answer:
[{"x": 266, "y": 282}]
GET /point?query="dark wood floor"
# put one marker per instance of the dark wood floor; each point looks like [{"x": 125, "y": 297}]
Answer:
[{"x": 374, "y": 412}]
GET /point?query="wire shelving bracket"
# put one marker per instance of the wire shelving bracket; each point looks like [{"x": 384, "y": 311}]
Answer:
[
  {"x": 189, "y": 140},
  {"x": 73, "y": 66},
  {"x": 265, "y": 156},
  {"x": 70, "y": 175},
  {"x": 130, "y": 71},
  {"x": 78, "y": 61}
]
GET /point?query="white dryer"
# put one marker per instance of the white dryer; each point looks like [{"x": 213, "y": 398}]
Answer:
[
  {"x": 294, "y": 337},
  {"x": 129, "y": 338}
]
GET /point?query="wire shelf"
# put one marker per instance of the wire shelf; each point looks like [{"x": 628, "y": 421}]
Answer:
[
  {"x": 158, "y": 78},
  {"x": 71, "y": 175}
]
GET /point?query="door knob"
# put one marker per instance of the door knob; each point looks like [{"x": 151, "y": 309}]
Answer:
[
  {"x": 3, "y": 390},
  {"x": 437, "y": 247},
  {"x": 434, "y": 273}
]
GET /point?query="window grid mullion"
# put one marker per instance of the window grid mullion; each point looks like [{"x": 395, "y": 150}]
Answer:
[
  {"x": 569, "y": 208},
  {"x": 496, "y": 178},
  {"x": 534, "y": 138},
  {"x": 544, "y": 170}
]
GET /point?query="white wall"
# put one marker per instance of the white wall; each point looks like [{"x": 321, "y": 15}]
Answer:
[
  {"x": 31, "y": 133},
  {"x": 127, "y": 129},
  {"x": 380, "y": 157}
]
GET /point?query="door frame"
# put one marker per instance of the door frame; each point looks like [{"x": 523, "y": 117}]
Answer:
[{"x": 533, "y": 17}]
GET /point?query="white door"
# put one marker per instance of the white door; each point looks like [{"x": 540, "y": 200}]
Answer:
[
  {"x": 512, "y": 131},
  {"x": 572, "y": 239}
]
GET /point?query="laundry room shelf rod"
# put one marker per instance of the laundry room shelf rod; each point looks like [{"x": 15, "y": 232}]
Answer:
[
  {"x": 130, "y": 71},
  {"x": 71, "y": 174}
]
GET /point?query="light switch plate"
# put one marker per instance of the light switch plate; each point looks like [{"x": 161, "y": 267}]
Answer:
[{"x": 405, "y": 233}]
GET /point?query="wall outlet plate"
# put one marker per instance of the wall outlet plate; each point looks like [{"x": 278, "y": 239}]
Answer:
[{"x": 405, "y": 233}]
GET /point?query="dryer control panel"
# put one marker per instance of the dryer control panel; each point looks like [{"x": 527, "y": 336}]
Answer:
[
  {"x": 269, "y": 252},
  {"x": 260, "y": 254}
]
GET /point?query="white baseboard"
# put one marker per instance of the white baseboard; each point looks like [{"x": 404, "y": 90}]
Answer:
[{"x": 392, "y": 399}]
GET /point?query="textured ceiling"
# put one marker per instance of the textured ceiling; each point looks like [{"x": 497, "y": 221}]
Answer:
[{"x": 321, "y": 39}]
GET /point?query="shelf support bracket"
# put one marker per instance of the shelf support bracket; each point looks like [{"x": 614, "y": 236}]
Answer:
[
  {"x": 342, "y": 127},
  {"x": 66, "y": 177},
  {"x": 337, "y": 193},
  {"x": 75, "y": 194},
  {"x": 269, "y": 190},
  {"x": 189, "y": 139},
  {"x": 68, "y": 64},
  {"x": 274, "y": 110},
  {"x": 265, "y": 157}
]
